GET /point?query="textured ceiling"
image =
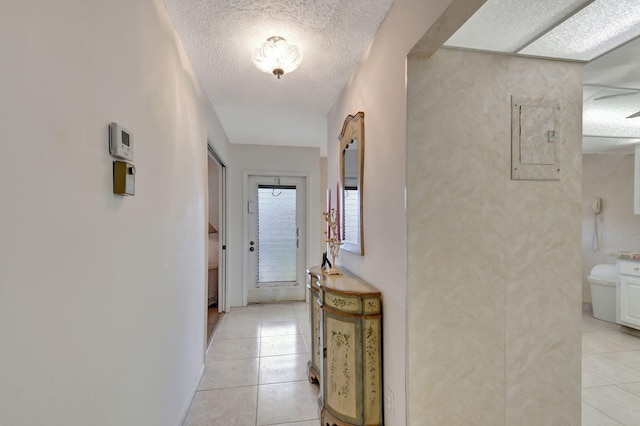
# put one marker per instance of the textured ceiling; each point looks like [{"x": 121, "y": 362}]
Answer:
[
  {"x": 254, "y": 107},
  {"x": 257, "y": 108}
]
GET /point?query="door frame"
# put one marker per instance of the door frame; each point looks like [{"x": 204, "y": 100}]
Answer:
[
  {"x": 245, "y": 219},
  {"x": 223, "y": 288}
]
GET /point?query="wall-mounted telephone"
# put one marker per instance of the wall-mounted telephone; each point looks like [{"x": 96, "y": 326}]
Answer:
[{"x": 597, "y": 205}]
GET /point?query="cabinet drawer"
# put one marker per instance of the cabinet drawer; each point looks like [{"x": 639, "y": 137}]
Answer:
[
  {"x": 628, "y": 267},
  {"x": 312, "y": 283},
  {"x": 342, "y": 302}
]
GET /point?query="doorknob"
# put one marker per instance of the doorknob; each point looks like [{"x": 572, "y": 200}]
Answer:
[{"x": 252, "y": 248}]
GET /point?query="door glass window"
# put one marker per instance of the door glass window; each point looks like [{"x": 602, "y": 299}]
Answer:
[{"x": 277, "y": 234}]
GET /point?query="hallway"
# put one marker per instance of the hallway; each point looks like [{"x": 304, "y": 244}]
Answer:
[{"x": 256, "y": 372}]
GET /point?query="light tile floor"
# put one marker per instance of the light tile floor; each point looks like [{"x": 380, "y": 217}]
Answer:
[
  {"x": 610, "y": 374},
  {"x": 256, "y": 372}
]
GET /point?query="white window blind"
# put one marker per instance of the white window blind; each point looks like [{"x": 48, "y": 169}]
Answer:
[
  {"x": 351, "y": 215},
  {"x": 277, "y": 234}
]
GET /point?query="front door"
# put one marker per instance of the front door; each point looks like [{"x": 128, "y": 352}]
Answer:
[{"x": 276, "y": 246}]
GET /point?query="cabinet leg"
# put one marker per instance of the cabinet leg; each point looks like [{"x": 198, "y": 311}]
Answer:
[
  {"x": 314, "y": 377},
  {"x": 326, "y": 419}
]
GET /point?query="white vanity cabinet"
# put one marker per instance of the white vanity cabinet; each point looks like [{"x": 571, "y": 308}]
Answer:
[{"x": 628, "y": 306}]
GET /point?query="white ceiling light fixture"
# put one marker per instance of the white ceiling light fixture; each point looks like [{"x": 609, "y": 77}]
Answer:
[{"x": 276, "y": 56}]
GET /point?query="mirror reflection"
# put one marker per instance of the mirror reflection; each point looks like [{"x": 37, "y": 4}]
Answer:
[
  {"x": 351, "y": 195},
  {"x": 351, "y": 158}
]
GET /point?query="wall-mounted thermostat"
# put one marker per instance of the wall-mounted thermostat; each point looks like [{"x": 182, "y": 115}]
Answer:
[{"x": 120, "y": 142}]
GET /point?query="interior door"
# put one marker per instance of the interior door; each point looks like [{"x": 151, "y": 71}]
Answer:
[
  {"x": 276, "y": 239},
  {"x": 222, "y": 230}
]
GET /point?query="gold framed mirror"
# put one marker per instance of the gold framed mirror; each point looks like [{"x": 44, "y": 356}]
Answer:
[{"x": 352, "y": 171}]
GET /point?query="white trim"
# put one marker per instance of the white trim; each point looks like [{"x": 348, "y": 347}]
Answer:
[
  {"x": 224, "y": 298},
  {"x": 245, "y": 217}
]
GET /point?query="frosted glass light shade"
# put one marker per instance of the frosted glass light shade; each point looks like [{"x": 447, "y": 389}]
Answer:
[
  {"x": 598, "y": 28},
  {"x": 275, "y": 56}
]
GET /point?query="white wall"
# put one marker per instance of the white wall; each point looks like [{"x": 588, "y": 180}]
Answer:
[
  {"x": 378, "y": 88},
  {"x": 267, "y": 160},
  {"x": 493, "y": 263},
  {"x": 610, "y": 177},
  {"x": 102, "y": 297},
  {"x": 323, "y": 202}
]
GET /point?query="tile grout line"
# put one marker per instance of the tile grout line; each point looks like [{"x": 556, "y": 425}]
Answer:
[
  {"x": 610, "y": 357},
  {"x": 604, "y": 414},
  {"x": 258, "y": 385},
  {"x": 227, "y": 323},
  {"x": 618, "y": 363},
  {"x": 259, "y": 364}
]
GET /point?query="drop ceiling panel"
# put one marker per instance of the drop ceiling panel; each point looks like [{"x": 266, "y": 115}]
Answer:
[
  {"x": 507, "y": 25},
  {"x": 599, "y": 27}
]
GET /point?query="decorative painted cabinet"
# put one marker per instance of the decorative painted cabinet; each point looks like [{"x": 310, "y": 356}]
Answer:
[
  {"x": 346, "y": 348},
  {"x": 315, "y": 316}
]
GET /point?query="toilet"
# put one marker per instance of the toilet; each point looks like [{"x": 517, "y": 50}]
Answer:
[{"x": 602, "y": 280}]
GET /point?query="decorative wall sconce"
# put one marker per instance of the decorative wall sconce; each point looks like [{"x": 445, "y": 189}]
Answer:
[{"x": 276, "y": 56}]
